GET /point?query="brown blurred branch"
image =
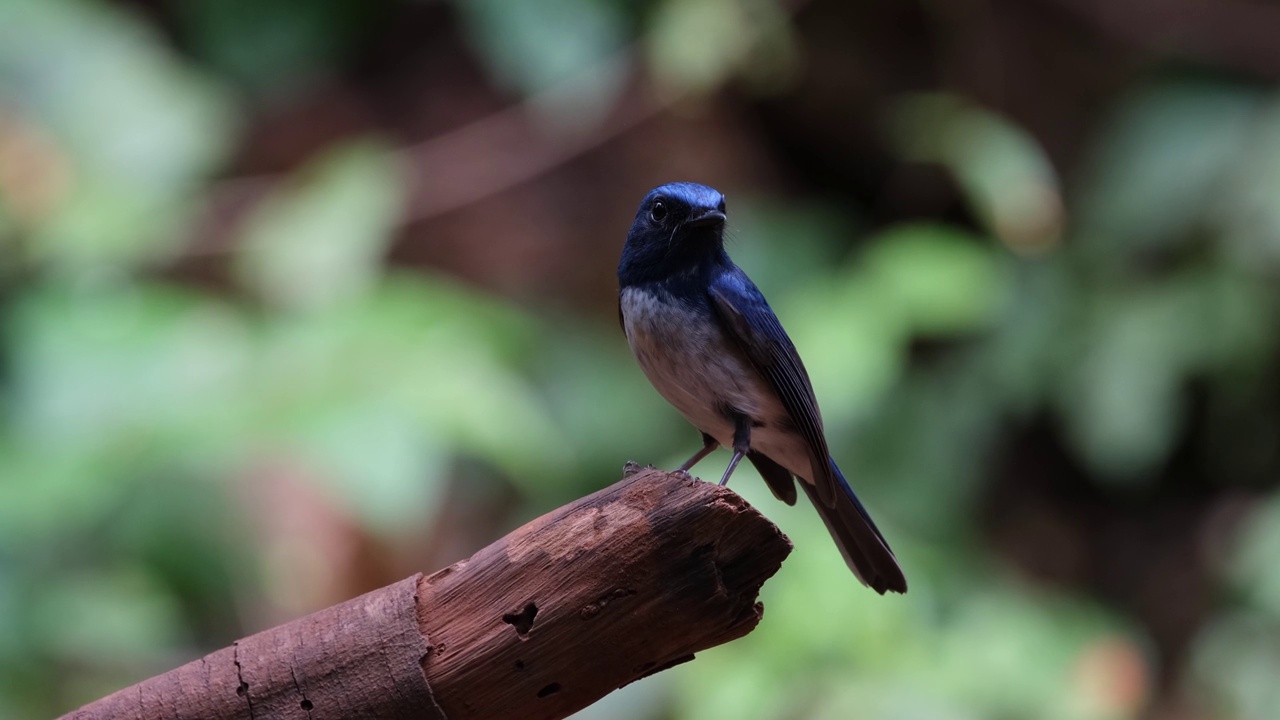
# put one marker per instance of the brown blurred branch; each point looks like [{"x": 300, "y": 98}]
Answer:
[
  {"x": 502, "y": 150},
  {"x": 475, "y": 161},
  {"x": 590, "y": 597}
]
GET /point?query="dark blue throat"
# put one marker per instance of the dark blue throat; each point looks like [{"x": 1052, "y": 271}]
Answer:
[{"x": 680, "y": 260}]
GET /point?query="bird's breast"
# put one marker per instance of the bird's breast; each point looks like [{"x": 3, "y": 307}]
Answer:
[
  {"x": 684, "y": 354},
  {"x": 697, "y": 367}
]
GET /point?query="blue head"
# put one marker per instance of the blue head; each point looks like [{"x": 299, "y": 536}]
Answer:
[{"x": 678, "y": 228}]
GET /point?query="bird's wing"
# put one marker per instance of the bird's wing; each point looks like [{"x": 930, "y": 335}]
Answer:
[{"x": 747, "y": 316}]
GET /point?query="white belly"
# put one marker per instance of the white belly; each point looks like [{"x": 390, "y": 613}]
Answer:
[{"x": 697, "y": 369}]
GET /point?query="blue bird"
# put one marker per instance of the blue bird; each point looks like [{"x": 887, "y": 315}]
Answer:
[{"x": 709, "y": 343}]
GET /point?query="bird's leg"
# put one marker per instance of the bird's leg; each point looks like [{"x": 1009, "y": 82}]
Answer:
[
  {"x": 741, "y": 444},
  {"x": 708, "y": 444}
]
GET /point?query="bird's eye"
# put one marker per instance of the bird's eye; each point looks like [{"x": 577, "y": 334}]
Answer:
[
  {"x": 658, "y": 212},
  {"x": 720, "y": 207}
]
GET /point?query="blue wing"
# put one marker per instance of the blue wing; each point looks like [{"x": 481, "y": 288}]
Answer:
[{"x": 744, "y": 312}]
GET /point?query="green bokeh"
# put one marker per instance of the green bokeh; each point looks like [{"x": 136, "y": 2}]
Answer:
[{"x": 135, "y": 401}]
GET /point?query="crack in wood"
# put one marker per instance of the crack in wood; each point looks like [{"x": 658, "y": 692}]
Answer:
[{"x": 243, "y": 688}]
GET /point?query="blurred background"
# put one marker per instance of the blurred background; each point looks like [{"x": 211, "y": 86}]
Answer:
[{"x": 298, "y": 298}]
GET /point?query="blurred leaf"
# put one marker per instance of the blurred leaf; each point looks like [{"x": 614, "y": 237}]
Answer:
[
  {"x": 1160, "y": 166},
  {"x": 104, "y": 226},
  {"x": 917, "y": 452},
  {"x": 942, "y": 281},
  {"x": 137, "y": 128},
  {"x": 321, "y": 238},
  {"x": 534, "y": 47},
  {"x": 108, "y": 87},
  {"x": 45, "y": 496},
  {"x": 1006, "y": 174},
  {"x": 1245, "y": 206},
  {"x": 189, "y": 532},
  {"x": 570, "y": 47},
  {"x": 1122, "y": 400},
  {"x": 1237, "y": 658},
  {"x": 35, "y": 175},
  {"x": 1253, "y": 568},
  {"x": 277, "y": 47},
  {"x": 696, "y": 45},
  {"x": 119, "y": 614},
  {"x": 1020, "y": 359},
  {"x": 380, "y": 461},
  {"x": 1229, "y": 319},
  {"x": 109, "y": 386},
  {"x": 993, "y": 635},
  {"x": 721, "y": 687},
  {"x": 644, "y": 700},
  {"x": 853, "y": 330},
  {"x": 1123, "y": 391},
  {"x": 122, "y": 366},
  {"x": 789, "y": 242},
  {"x": 116, "y": 613},
  {"x": 842, "y": 698},
  {"x": 426, "y": 354}
]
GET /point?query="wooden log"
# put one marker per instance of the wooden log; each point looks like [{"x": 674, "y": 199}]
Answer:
[{"x": 611, "y": 588}]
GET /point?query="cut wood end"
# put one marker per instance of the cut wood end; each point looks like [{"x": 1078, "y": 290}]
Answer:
[{"x": 616, "y": 586}]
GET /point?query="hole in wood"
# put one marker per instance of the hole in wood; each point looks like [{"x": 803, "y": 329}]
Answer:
[
  {"x": 243, "y": 689},
  {"x": 519, "y": 664},
  {"x": 549, "y": 690},
  {"x": 523, "y": 620},
  {"x": 306, "y": 705}
]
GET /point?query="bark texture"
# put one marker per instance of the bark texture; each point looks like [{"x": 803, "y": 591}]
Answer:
[{"x": 621, "y": 584}]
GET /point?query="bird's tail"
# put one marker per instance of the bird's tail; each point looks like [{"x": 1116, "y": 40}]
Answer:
[{"x": 860, "y": 542}]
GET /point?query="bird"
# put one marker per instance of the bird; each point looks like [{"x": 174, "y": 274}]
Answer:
[{"x": 707, "y": 340}]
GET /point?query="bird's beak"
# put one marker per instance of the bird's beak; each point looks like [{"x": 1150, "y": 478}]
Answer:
[{"x": 708, "y": 218}]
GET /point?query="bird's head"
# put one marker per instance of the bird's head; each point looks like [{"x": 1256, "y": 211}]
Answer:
[{"x": 678, "y": 227}]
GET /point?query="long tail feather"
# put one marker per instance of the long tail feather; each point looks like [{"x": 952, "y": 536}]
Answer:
[{"x": 860, "y": 542}]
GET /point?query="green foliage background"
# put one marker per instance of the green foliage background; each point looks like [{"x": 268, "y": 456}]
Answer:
[{"x": 1128, "y": 303}]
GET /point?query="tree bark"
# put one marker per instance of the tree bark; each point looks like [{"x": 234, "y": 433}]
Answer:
[{"x": 611, "y": 588}]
